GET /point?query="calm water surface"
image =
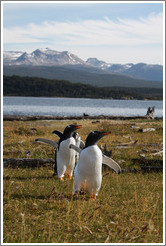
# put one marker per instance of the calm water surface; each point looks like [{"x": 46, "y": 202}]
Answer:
[{"x": 78, "y": 106}]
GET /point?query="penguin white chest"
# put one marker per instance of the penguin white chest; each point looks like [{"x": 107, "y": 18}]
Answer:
[
  {"x": 88, "y": 172},
  {"x": 65, "y": 158}
]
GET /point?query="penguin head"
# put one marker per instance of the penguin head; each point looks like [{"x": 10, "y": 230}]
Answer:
[
  {"x": 94, "y": 137},
  {"x": 67, "y": 133},
  {"x": 70, "y": 129}
]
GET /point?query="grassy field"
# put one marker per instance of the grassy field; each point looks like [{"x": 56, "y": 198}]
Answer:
[{"x": 38, "y": 208}]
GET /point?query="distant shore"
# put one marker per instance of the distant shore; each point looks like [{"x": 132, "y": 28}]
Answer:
[{"x": 49, "y": 117}]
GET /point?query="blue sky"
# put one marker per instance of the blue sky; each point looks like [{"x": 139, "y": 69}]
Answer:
[{"x": 111, "y": 31}]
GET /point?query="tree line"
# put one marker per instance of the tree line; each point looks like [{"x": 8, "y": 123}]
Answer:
[{"x": 40, "y": 87}]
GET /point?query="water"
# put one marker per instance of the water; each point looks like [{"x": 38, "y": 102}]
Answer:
[{"x": 77, "y": 106}]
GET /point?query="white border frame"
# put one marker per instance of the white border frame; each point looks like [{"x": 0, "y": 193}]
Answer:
[{"x": 46, "y": 2}]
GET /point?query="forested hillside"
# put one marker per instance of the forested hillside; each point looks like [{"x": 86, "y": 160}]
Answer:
[
  {"x": 80, "y": 74},
  {"x": 39, "y": 87}
]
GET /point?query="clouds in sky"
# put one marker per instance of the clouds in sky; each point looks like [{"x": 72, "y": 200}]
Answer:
[{"x": 118, "y": 40}]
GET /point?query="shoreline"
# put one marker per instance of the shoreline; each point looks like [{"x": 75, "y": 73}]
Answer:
[
  {"x": 50, "y": 117},
  {"x": 99, "y": 98}
]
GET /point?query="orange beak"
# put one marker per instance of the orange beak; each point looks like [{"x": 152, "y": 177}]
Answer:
[
  {"x": 78, "y": 127},
  {"x": 106, "y": 133}
]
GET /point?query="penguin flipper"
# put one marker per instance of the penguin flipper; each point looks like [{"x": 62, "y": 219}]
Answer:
[
  {"x": 82, "y": 144},
  {"x": 111, "y": 163},
  {"x": 72, "y": 146},
  {"x": 58, "y": 133},
  {"x": 47, "y": 141}
]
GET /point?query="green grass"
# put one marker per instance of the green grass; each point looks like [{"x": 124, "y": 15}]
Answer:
[{"x": 38, "y": 208}]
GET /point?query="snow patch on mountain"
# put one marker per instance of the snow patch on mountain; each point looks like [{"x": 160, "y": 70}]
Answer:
[{"x": 10, "y": 56}]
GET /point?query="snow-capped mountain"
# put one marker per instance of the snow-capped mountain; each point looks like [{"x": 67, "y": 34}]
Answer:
[
  {"x": 9, "y": 56},
  {"x": 139, "y": 70},
  {"x": 45, "y": 57},
  {"x": 97, "y": 63},
  {"x": 108, "y": 66}
]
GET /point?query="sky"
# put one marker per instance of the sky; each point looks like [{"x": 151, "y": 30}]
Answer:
[{"x": 114, "y": 32}]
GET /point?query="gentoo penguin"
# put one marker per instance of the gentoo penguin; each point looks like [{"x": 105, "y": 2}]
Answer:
[
  {"x": 65, "y": 157},
  {"x": 88, "y": 171},
  {"x": 79, "y": 143}
]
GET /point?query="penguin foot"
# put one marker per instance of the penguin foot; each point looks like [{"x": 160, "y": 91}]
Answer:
[
  {"x": 61, "y": 179},
  {"x": 69, "y": 176},
  {"x": 93, "y": 197}
]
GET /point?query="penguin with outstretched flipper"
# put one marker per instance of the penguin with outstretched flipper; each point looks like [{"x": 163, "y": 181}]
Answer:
[{"x": 88, "y": 171}]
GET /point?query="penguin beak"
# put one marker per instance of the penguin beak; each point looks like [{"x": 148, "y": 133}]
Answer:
[
  {"x": 106, "y": 133},
  {"x": 78, "y": 127}
]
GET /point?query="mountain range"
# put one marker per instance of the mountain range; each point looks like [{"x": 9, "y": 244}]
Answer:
[
  {"x": 39, "y": 57},
  {"x": 53, "y": 64},
  {"x": 139, "y": 70}
]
